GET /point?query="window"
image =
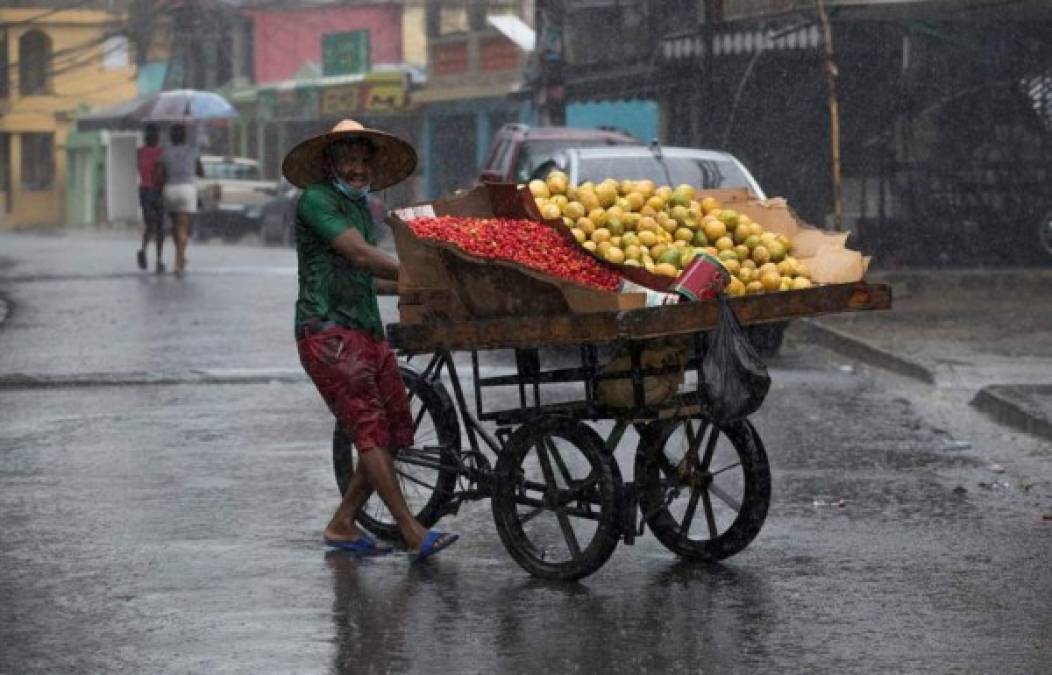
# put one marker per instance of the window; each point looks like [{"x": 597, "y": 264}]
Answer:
[
  {"x": 5, "y": 66},
  {"x": 535, "y": 153},
  {"x": 38, "y": 161},
  {"x": 452, "y": 20},
  {"x": 5, "y": 166},
  {"x": 115, "y": 53},
  {"x": 230, "y": 170},
  {"x": 702, "y": 173},
  {"x": 34, "y": 62}
]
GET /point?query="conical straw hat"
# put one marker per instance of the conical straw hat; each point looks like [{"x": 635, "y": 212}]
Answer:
[{"x": 392, "y": 163}]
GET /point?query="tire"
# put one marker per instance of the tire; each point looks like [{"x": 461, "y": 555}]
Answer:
[
  {"x": 1044, "y": 233},
  {"x": 438, "y": 438},
  {"x": 573, "y": 469},
  {"x": 737, "y": 474}
]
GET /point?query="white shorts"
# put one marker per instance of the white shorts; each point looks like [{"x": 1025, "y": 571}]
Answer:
[{"x": 180, "y": 198}]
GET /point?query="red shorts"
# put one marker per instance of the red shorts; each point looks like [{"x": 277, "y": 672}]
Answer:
[{"x": 357, "y": 375}]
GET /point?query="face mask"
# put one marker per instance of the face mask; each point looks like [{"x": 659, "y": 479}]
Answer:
[{"x": 350, "y": 190}]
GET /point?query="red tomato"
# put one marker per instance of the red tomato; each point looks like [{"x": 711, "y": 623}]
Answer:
[{"x": 525, "y": 242}]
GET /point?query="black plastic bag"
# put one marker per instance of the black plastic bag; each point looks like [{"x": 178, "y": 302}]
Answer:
[{"x": 734, "y": 379}]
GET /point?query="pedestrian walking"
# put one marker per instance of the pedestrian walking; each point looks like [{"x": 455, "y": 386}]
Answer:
[
  {"x": 339, "y": 334},
  {"x": 179, "y": 165},
  {"x": 150, "y": 198}
]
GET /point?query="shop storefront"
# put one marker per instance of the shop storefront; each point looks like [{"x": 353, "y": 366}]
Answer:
[{"x": 274, "y": 118}]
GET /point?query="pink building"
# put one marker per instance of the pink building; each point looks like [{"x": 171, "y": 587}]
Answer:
[{"x": 287, "y": 39}]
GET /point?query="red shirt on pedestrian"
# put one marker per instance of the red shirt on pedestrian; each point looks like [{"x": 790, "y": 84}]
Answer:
[{"x": 148, "y": 156}]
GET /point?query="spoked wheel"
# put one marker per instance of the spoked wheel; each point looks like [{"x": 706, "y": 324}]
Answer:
[
  {"x": 555, "y": 499},
  {"x": 704, "y": 490},
  {"x": 426, "y": 487}
]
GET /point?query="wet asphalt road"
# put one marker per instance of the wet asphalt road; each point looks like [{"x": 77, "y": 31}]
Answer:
[{"x": 175, "y": 528}]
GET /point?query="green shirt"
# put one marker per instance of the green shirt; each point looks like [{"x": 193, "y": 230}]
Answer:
[{"x": 331, "y": 287}]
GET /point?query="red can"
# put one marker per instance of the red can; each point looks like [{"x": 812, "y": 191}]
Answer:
[{"x": 703, "y": 279}]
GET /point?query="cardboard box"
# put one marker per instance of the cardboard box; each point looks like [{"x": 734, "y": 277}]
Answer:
[{"x": 825, "y": 253}]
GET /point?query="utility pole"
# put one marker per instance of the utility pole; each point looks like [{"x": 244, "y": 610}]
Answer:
[
  {"x": 702, "y": 129},
  {"x": 142, "y": 22},
  {"x": 834, "y": 116}
]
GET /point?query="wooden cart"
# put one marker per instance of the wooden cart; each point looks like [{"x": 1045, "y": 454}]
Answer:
[{"x": 558, "y": 499}]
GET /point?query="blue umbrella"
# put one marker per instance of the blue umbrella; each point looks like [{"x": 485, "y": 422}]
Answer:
[{"x": 184, "y": 105}]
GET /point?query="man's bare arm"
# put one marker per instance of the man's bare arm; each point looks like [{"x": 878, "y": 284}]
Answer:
[
  {"x": 353, "y": 246},
  {"x": 386, "y": 287}
]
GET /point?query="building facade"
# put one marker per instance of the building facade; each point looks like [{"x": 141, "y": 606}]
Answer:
[
  {"x": 52, "y": 63},
  {"x": 477, "y": 58}
]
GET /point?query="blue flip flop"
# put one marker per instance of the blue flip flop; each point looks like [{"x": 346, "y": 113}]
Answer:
[
  {"x": 363, "y": 545},
  {"x": 433, "y": 543}
]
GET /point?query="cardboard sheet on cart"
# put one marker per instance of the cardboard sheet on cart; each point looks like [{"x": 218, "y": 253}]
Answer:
[{"x": 825, "y": 253}]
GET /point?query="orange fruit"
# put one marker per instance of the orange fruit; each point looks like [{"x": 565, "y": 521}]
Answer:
[
  {"x": 714, "y": 229},
  {"x": 600, "y": 235},
  {"x": 666, "y": 270},
  {"x": 538, "y": 188}
]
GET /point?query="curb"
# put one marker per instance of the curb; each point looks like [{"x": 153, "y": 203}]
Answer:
[
  {"x": 1003, "y": 403},
  {"x": 11, "y": 381},
  {"x": 860, "y": 350}
]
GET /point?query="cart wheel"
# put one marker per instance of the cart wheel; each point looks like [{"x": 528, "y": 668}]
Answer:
[
  {"x": 426, "y": 489},
  {"x": 555, "y": 499},
  {"x": 727, "y": 475}
]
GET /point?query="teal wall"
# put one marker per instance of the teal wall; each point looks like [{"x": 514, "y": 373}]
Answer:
[
  {"x": 640, "y": 118},
  {"x": 150, "y": 78},
  {"x": 85, "y": 173}
]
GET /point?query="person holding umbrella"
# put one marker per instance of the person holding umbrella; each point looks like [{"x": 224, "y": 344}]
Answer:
[
  {"x": 178, "y": 165},
  {"x": 339, "y": 334}
]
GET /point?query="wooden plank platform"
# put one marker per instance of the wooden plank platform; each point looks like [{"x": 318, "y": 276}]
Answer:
[{"x": 638, "y": 324}]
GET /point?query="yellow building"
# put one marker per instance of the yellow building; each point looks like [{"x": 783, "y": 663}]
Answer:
[{"x": 51, "y": 63}]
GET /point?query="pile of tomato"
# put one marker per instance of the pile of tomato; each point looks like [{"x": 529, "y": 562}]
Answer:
[{"x": 525, "y": 242}]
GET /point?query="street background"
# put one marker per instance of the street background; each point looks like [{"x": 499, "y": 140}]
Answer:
[
  {"x": 165, "y": 475},
  {"x": 165, "y": 465}
]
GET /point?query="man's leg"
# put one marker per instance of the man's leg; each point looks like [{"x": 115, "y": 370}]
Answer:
[
  {"x": 399, "y": 422},
  {"x": 342, "y": 526},
  {"x": 378, "y": 467},
  {"x": 355, "y": 398}
]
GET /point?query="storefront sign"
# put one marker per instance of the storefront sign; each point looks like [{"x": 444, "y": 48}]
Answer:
[
  {"x": 345, "y": 53},
  {"x": 288, "y": 104},
  {"x": 373, "y": 95}
]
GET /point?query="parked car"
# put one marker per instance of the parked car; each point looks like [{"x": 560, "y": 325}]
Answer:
[
  {"x": 278, "y": 218},
  {"x": 706, "y": 169},
  {"x": 231, "y": 196},
  {"x": 518, "y": 149}
]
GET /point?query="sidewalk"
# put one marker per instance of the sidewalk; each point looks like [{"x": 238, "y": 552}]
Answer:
[{"x": 986, "y": 332}]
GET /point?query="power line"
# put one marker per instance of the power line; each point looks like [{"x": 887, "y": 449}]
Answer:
[
  {"x": 70, "y": 53},
  {"x": 43, "y": 15}
]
